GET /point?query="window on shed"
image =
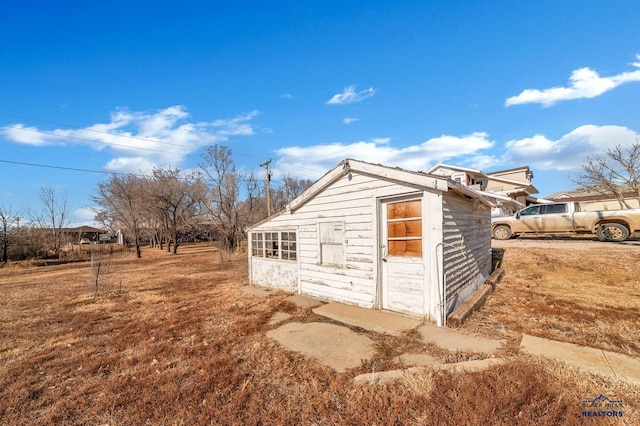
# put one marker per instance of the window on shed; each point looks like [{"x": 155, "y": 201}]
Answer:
[
  {"x": 404, "y": 228},
  {"x": 271, "y": 244},
  {"x": 332, "y": 237},
  {"x": 257, "y": 244},
  {"x": 274, "y": 245},
  {"x": 288, "y": 247}
]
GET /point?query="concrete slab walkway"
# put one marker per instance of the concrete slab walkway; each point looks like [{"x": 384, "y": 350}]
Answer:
[
  {"x": 457, "y": 367},
  {"x": 596, "y": 361},
  {"x": 279, "y": 317},
  {"x": 335, "y": 346},
  {"x": 340, "y": 348},
  {"x": 452, "y": 340},
  {"x": 256, "y": 291},
  {"x": 369, "y": 319},
  {"x": 303, "y": 301}
]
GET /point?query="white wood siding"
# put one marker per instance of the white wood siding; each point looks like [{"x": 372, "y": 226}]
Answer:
[
  {"x": 466, "y": 246},
  {"x": 456, "y": 247},
  {"x": 274, "y": 273},
  {"x": 352, "y": 200}
]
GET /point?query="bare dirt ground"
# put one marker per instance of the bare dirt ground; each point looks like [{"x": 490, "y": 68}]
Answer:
[
  {"x": 174, "y": 340},
  {"x": 566, "y": 242}
]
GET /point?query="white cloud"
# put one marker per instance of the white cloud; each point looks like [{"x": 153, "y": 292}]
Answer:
[
  {"x": 26, "y": 135},
  {"x": 481, "y": 162},
  {"x": 349, "y": 120},
  {"x": 237, "y": 126},
  {"x": 570, "y": 151},
  {"x": 313, "y": 161},
  {"x": 381, "y": 140},
  {"x": 83, "y": 216},
  {"x": 141, "y": 140},
  {"x": 287, "y": 96},
  {"x": 84, "y": 213},
  {"x": 349, "y": 96},
  {"x": 584, "y": 83},
  {"x": 130, "y": 165}
]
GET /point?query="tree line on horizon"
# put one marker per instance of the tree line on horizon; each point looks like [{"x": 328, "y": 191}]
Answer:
[{"x": 165, "y": 207}]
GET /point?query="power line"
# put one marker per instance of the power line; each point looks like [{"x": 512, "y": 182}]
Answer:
[
  {"x": 86, "y": 130},
  {"x": 94, "y": 131},
  {"x": 75, "y": 169},
  {"x": 97, "y": 141},
  {"x": 132, "y": 147},
  {"x": 113, "y": 135}
]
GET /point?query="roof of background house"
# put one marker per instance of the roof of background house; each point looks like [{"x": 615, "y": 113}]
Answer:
[
  {"x": 394, "y": 173},
  {"x": 590, "y": 194},
  {"x": 494, "y": 176},
  {"x": 449, "y": 166},
  {"x": 84, "y": 229},
  {"x": 498, "y": 172}
]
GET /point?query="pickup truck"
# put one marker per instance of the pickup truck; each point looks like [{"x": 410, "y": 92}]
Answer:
[{"x": 562, "y": 218}]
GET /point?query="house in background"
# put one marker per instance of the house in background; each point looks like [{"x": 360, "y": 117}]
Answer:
[
  {"x": 378, "y": 237},
  {"x": 510, "y": 190},
  {"x": 79, "y": 232},
  {"x": 593, "y": 200}
]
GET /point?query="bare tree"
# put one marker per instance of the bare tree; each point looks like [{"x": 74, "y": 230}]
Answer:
[
  {"x": 253, "y": 208},
  {"x": 629, "y": 161},
  {"x": 52, "y": 218},
  {"x": 615, "y": 172},
  {"x": 7, "y": 219},
  {"x": 224, "y": 193},
  {"x": 223, "y": 204},
  {"x": 290, "y": 189},
  {"x": 121, "y": 199},
  {"x": 176, "y": 201}
]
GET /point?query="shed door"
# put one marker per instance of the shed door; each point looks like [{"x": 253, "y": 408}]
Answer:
[{"x": 402, "y": 281}]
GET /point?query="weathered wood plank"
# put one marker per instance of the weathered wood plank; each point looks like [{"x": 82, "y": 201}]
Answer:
[
  {"x": 467, "y": 245},
  {"x": 339, "y": 295}
]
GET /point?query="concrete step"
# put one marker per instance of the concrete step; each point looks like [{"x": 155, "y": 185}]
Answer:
[
  {"x": 335, "y": 346},
  {"x": 593, "y": 360},
  {"x": 369, "y": 319},
  {"x": 303, "y": 301},
  {"x": 457, "y": 367},
  {"x": 455, "y": 341}
]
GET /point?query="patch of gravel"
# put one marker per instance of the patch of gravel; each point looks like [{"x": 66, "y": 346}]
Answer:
[{"x": 564, "y": 243}]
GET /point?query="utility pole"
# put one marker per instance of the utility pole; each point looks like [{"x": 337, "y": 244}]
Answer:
[{"x": 267, "y": 181}]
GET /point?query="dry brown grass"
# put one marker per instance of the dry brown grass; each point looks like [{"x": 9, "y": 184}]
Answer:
[
  {"x": 590, "y": 297},
  {"x": 181, "y": 344}
]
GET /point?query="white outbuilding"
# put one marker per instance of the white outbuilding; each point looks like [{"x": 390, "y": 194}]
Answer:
[{"x": 378, "y": 237}]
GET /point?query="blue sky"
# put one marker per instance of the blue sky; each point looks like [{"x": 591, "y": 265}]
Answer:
[{"x": 125, "y": 86}]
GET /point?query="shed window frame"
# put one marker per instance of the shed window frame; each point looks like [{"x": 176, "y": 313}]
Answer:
[
  {"x": 257, "y": 244},
  {"x": 332, "y": 238},
  {"x": 288, "y": 246},
  {"x": 409, "y": 244},
  {"x": 272, "y": 245},
  {"x": 275, "y": 245}
]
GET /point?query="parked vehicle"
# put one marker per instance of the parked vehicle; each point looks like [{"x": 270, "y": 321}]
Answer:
[
  {"x": 562, "y": 218},
  {"x": 85, "y": 241},
  {"x": 105, "y": 238}
]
